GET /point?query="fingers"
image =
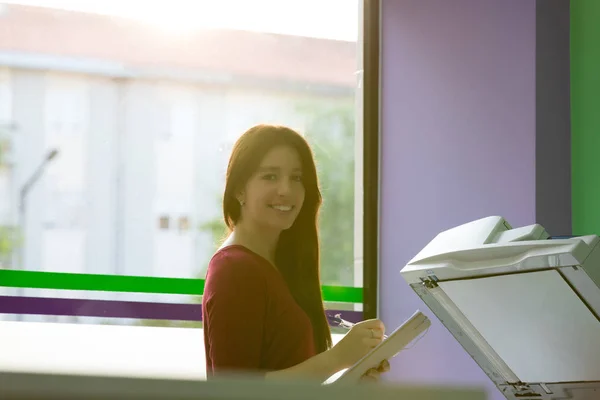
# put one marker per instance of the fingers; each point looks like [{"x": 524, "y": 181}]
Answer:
[
  {"x": 372, "y": 337},
  {"x": 371, "y": 328},
  {"x": 384, "y": 366},
  {"x": 371, "y": 343},
  {"x": 372, "y": 334},
  {"x": 372, "y": 324},
  {"x": 376, "y": 333},
  {"x": 372, "y": 375}
]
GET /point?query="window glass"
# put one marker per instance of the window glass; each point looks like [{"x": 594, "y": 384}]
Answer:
[{"x": 140, "y": 106}]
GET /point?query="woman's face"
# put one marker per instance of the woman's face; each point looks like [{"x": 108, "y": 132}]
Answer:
[{"x": 274, "y": 195}]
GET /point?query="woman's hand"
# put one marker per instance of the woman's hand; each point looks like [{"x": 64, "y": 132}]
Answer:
[
  {"x": 373, "y": 374},
  {"x": 359, "y": 340}
]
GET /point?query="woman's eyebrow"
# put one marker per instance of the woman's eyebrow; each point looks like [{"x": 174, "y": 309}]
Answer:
[{"x": 274, "y": 168}]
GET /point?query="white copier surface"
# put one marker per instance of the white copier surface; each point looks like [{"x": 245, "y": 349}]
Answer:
[{"x": 524, "y": 305}]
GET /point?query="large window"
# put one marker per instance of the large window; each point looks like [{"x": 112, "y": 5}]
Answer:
[{"x": 122, "y": 121}]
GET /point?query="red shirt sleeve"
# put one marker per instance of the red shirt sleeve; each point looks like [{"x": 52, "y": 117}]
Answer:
[{"x": 234, "y": 310}]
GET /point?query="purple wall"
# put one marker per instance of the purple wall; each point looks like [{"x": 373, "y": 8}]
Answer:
[{"x": 459, "y": 142}]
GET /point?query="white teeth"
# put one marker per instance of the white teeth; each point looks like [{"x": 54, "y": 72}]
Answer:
[{"x": 282, "y": 208}]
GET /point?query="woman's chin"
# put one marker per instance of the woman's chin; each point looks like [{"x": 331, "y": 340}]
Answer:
[{"x": 281, "y": 227}]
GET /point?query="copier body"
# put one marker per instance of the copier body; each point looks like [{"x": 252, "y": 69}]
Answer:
[{"x": 524, "y": 305}]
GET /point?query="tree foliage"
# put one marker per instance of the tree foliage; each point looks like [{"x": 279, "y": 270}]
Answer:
[{"x": 330, "y": 132}]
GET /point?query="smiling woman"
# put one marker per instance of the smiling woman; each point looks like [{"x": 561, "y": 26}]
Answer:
[
  {"x": 288, "y": 240},
  {"x": 266, "y": 275}
]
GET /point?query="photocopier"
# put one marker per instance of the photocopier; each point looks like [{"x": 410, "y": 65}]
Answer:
[{"x": 524, "y": 305}]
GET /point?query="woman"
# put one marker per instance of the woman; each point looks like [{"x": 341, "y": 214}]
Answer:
[{"x": 262, "y": 304}]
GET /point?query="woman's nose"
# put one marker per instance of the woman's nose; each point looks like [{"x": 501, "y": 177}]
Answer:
[{"x": 284, "y": 187}]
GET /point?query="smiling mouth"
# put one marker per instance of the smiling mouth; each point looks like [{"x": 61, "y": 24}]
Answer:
[{"x": 282, "y": 208}]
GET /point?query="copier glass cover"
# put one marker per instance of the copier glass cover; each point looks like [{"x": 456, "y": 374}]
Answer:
[{"x": 524, "y": 305}]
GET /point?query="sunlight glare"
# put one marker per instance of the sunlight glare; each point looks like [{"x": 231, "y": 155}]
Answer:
[{"x": 332, "y": 19}]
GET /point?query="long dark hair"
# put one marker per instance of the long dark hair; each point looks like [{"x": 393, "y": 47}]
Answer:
[{"x": 297, "y": 253}]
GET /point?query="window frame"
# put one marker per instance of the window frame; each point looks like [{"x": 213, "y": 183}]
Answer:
[{"x": 371, "y": 132}]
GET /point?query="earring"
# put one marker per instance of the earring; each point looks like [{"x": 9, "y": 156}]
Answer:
[{"x": 242, "y": 202}]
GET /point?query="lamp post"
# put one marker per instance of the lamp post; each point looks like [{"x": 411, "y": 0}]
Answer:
[{"x": 25, "y": 189}]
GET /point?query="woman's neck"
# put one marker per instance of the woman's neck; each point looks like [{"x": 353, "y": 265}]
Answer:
[{"x": 261, "y": 242}]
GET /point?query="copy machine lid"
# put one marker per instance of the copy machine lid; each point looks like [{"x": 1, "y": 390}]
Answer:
[{"x": 526, "y": 307}]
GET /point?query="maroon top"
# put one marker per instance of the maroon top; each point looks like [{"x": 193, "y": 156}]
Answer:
[{"x": 251, "y": 321}]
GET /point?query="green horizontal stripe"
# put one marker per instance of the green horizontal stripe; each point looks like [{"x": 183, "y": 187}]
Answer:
[
  {"x": 102, "y": 283},
  {"x": 343, "y": 294},
  {"x": 138, "y": 284}
]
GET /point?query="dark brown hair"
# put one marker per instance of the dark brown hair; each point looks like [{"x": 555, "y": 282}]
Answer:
[{"x": 297, "y": 253}]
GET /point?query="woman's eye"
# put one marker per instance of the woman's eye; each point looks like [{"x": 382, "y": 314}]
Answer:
[
  {"x": 297, "y": 178},
  {"x": 269, "y": 177}
]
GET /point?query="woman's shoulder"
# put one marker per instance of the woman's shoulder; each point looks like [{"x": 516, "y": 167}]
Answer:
[
  {"x": 236, "y": 261},
  {"x": 234, "y": 253}
]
